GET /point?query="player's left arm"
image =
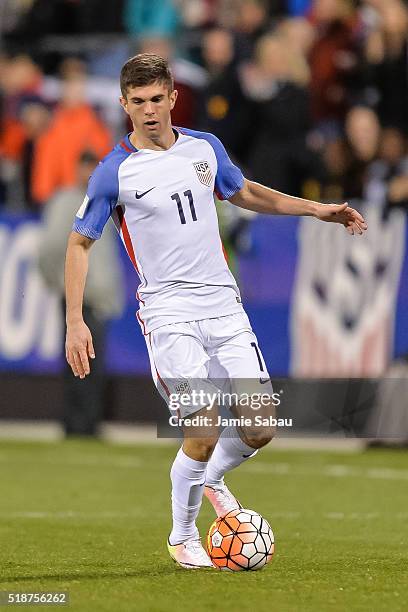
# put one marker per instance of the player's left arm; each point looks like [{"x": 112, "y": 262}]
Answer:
[{"x": 261, "y": 199}]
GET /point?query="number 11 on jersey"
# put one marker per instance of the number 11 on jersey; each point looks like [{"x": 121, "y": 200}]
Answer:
[{"x": 177, "y": 199}]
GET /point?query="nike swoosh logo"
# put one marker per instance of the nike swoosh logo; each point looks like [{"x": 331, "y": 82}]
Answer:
[
  {"x": 264, "y": 380},
  {"x": 140, "y": 195}
]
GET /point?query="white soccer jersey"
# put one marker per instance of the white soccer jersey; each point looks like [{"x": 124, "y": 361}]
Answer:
[{"x": 162, "y": 204}]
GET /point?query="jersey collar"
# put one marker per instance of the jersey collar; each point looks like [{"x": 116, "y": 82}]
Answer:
[{"x": 128, "y": 146}]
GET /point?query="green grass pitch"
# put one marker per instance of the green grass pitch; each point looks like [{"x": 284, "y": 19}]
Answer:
[{"x": 92, "y": 518}]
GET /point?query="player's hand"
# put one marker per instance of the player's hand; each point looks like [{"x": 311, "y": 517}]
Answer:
[
  {"x": 352, "y": 220},
  {"x": 79, "y": 348}
]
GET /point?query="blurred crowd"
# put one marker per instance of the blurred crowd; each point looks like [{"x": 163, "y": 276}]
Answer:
[{"x": 309, "y": 96}]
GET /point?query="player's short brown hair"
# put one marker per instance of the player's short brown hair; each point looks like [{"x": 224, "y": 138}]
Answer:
[{"x": 145, "y": 69}]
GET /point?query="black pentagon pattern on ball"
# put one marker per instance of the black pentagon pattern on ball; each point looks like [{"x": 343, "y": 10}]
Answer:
[{"x": 259, "y": 533}]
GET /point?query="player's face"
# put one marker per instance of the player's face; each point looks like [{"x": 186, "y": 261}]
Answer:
[{"x": 149, "y": 108}]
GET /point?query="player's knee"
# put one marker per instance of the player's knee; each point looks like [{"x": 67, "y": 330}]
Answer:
[
  {"x": 200, "y": 449},
  {"x": 258, "y": 438}
]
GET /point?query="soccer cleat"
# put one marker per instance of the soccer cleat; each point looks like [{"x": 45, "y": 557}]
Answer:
[
  {"x": 222, "y": 500},
  {"x": 189, "y": 554}
]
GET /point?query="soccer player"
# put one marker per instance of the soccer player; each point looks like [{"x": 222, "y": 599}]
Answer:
[{"x": 157, "y": 185}]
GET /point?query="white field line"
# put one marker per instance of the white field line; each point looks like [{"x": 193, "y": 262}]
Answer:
[
  {"x": 138, "y": 513},
  {"x": 254, "y": 466},
  {"x": 336, "y": 471}
]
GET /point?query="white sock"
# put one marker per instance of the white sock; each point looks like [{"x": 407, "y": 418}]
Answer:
[
  {"x": 230, "y": 451},
  {"x": 188, "y": 478}
]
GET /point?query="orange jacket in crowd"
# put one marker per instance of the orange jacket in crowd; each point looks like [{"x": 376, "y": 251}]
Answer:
[
  {"x": 12, "y": 138},
  {"x": 72, "y": 131}
]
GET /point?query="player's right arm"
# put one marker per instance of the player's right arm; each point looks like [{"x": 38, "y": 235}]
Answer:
[
  {"x": 78, "y": 346},
  {"x": 100, "y": 200}
]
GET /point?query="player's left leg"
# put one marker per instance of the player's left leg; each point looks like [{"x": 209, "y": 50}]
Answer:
[{"x": 237, "y": 359}]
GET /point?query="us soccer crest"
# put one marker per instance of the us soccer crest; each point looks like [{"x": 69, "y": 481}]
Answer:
[{"x": 204, "y": 173}]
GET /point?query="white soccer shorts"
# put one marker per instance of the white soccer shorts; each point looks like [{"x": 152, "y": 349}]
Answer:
[{"x": 217, "y": 354}]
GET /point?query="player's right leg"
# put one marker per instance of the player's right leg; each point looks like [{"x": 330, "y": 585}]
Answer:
[
  {"x": 178, "y": 357},
  {"x": 188, "y": 480}
]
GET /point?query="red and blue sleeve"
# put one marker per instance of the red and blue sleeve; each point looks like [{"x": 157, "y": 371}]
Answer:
[{"x": 101, "y": 197}]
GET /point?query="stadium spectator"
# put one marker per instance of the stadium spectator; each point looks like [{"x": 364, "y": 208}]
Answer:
[
  {"x": 299, "y": 34},
  {"x": 35, "y": 117},
  {"x": 278, "y": 155},
  {"x": 333, "y": 59},
  {"x": 103, "y": 300},
  {"x": 101, "y": 92},
  {"x": 20, "y": 81},
  {"x": 222, "y": 105},
  {"x": 348, "y": 157},
  {"x": 250, "y": 20},
  {"x": 74, "y": 127},
  {"x": 20, "y": 77},
  {"x": 363, "y": 130}
]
